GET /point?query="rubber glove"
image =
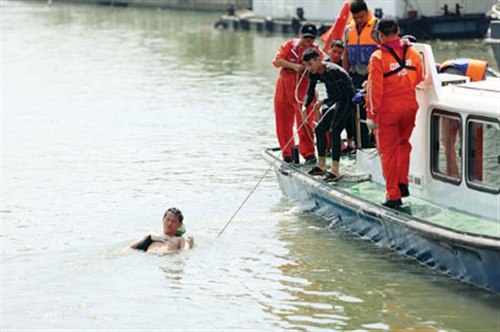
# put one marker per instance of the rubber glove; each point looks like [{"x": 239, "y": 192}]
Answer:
[
  {"x": 160, "y": 238},
  {"x": 371, "y": 124},
  {"x": 359, "y": 96}
]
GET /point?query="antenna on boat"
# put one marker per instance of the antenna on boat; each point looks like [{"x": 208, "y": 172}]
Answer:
[{"x": 260, "y": 180}]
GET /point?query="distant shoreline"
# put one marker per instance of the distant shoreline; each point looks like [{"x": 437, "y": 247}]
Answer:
[{"x": 197, "y": 5}]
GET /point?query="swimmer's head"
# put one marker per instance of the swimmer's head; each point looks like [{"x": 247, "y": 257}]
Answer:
[
  {"x": 180, "y": 218},
  {"x": 177, "y": 213}
]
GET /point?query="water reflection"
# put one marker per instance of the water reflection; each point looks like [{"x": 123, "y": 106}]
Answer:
[{"x": 330, "y": 286}]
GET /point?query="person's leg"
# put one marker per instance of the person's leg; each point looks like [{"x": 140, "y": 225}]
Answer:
[
  {"x": 321, "y": 130},
  {"x": 284, "y": 117},
  {"x": 322, "y": 112},
  {"x": 341, "y": 109},
  {"x": 305, "y": 132},
  {"x": 388, "y": 140},
  {"x": 350, "y": 128},
  {"x": 406, "y": 125},
  {"x": 343, "y": 147}
]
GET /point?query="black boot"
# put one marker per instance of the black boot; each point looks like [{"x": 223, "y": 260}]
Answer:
[
  {"x": 392, "y": 203},
  {"x": 404, "y": 190}
]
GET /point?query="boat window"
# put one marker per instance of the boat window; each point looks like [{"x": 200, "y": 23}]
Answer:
[
  {"x": 483, "y": 154},
  {"x": 446, "y": 154}
]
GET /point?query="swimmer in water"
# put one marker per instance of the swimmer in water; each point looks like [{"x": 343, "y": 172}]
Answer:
[{"x": 170, "y": 240}]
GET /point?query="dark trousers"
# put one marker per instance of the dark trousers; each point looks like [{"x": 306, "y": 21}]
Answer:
[
  {"x": 334, "y": 120},
  {"x": 350, "y": 123}
]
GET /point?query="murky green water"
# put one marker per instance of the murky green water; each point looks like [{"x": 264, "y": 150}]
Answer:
[{"x": 112, "y": 115}]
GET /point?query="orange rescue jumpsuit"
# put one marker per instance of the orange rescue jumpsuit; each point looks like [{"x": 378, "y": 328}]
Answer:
[
  {"x": 392, "y": 104},
  {"x": 286, "y": 103}
]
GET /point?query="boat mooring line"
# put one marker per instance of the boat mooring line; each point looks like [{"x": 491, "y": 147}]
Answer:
[
  {"x": 260, "y": 180},
  {"x": 245, "y": 200}
]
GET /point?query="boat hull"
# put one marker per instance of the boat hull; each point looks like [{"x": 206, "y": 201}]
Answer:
[
  {"x": 446, "y": 27},
  {"x": 423, "y": 28},
  {"x": 474, "y": 259}
]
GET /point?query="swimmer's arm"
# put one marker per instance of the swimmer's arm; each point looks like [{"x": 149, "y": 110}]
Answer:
[
  {"x": 136, "y": 244},
  {"x": 184, "y": 244}
]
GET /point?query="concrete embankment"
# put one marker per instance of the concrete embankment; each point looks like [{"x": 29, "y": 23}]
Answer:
[{"x": 204, "y": 5}]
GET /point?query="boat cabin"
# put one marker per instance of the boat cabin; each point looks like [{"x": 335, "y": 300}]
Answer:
[{"x": 455, "y": 160}]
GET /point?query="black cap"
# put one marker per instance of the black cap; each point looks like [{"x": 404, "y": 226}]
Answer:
[
  {"x": 388, "y": 25},
  {"x": 309, "y": 30}
]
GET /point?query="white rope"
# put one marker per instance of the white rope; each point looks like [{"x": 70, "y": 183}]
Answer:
[
  {"x": 258, "y": 183},
  {"x": 299, "y": 102}
]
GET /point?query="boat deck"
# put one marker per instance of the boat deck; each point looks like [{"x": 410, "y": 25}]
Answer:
[{"x": 358, "y": 185}]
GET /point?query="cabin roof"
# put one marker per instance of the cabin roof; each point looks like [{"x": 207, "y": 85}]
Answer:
[
  {"x": 490, "y": 84},
  {"x": 480, "y": 98}
]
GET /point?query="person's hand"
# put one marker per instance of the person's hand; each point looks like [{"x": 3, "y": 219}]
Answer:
[
  {"x": 299, "y": 68},
  {"x": 371, "y": 124},
  {"x": 359, "y": 96},
  {"x": 160, "y": 238},
  {"x": 318, "y": 105}
]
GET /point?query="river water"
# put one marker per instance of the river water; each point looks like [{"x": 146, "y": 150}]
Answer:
[{"x": 112, "y": 115}]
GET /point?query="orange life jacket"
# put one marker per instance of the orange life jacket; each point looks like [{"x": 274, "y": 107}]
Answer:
[
  {"x": 475, "y": 69},
  {"x": 361, "y": 46}
]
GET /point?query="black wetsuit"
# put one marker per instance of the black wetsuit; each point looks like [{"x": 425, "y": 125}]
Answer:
[
  {"x": 144, "y": 245},
  {"x": 340, "y": 91}
]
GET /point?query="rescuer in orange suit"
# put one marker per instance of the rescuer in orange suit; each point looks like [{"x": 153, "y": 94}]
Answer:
[
  {"x": 394, "y": 71},
  {"x": 291, "y": 88}
]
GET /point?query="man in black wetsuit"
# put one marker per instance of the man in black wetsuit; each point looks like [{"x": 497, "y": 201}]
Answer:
[{"x": 340, "y": 91}]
